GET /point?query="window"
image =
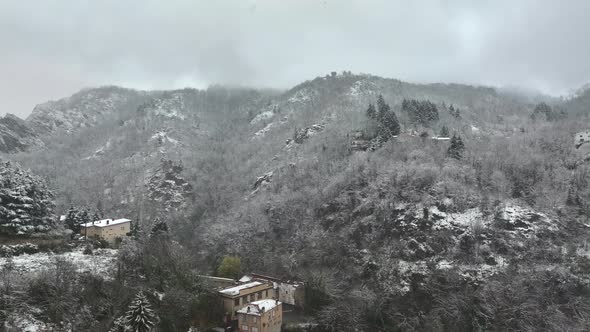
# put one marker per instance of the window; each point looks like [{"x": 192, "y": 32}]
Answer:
[
  {"x": 244, "y": 327},
  {"x": 237, "y": 301},
  {"x": 254, "y": 329},
  {"x": 254, "y": 319},
  {"x": 259, "y": 295},
  {"x": 123, "y": 227},
  {"x": 266, "y": 293}
]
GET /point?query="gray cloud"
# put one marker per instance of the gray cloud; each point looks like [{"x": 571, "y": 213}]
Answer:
[{"x": 52, "y": 48}]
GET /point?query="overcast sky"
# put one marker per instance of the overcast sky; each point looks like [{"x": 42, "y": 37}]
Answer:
[{"x": 52, "y": 48}]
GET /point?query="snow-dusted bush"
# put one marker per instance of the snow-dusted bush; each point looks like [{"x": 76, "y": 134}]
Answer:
[{"x": 18, "y": 249}]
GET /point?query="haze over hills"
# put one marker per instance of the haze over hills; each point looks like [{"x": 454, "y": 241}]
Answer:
[{"x": 89, "y": 107}]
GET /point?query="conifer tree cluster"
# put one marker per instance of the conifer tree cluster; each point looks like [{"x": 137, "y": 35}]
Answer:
[
  {"x": 385, "y": 117},
  {"x": 444, "y": 132},
  {"x": 160, "y": 227},
  {"x": 455, "y": 112},
  {"x": 456, "y": 148},
  {"x": 545, "y": 112},
  {"x": 420, "y": 112},
  {"x": 26, "y": 204},
  {"x": 78, "y": 216}
]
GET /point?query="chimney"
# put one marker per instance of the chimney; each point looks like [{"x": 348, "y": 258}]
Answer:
[
  {"x": 248, "y": 309},
  {"x": 108, "y": 220}
]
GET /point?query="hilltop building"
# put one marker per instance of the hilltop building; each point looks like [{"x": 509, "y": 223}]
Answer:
[
  {"x": 261, "y": 316},
  {"x": 106, "y": 229}
]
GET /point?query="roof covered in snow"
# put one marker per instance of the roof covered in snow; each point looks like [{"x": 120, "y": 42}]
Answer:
[
  {"x": 258, "y": 307},
  {"x": 245, "y": 278},
  {"x": 106, "y": 222},
  {"x": 236, "y": 290}
]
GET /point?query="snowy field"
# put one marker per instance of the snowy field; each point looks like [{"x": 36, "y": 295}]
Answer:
[{"x": 101, "y": 261}]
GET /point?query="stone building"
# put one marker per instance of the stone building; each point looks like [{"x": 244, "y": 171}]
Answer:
[
  {"x": 261, "y": 316},
  {"x": 286, "y": 291},
  {"x": 106, "y": 229},
  {"x": 237, "y": 297}
]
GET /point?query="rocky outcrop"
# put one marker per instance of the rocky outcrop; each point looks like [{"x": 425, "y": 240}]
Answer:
[
  {"x": 16, "y": 135},
  {"x": 83, "y": 109}
]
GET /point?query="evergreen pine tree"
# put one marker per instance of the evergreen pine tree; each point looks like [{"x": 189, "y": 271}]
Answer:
[
  {"x": 456, "y": 148},
  {"x": 371, "y": 112},
  {"x": 382, "y": 108},
  {"x": 95, "y": 216},
  {"x": 444, "y": 132},
  {"x": 140, "y": 317},
  {"x": 84, "y": 218},
  {"x": 134, "y": 231},
  {"x": 160, "y": 227},
  {"x": 454, "y": 112},
  {"x": 391, "y": 123},
  {"x": 572, "y": 199},
  {"x": 71, "y": 218}
]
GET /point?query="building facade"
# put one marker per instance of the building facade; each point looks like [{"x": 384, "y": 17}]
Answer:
[
  {"x": 106, "y": 229},
  {"x": 237, "y": 297},
  {"x": 261, "y": 316},
  {"x": 286, "y": 291}
]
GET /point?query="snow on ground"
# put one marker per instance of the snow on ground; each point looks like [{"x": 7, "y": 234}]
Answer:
[
  {"x": 523, "y": 218},
  {"x": 463, "y": 219},
  {"x": 25, "y": 322},
  {"x": 515, "y": 218},
  {"x": 264, "y": 130},
  {"x": 262, "y": 116},
  {"x": 162, "y": 137},
  {"x": 102, "y": 261},
  {"x": 302, "y": 96},
  {"x": 362, "y": 87},
  {"x": 169, "y": 107},
  {"x": 100, "y": 151}
]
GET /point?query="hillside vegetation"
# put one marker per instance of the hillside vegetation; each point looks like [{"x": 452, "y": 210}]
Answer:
[{"x": 404, "y": 207}]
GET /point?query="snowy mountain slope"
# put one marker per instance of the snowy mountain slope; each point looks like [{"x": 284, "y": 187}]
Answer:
[
  {"x": 83, "y": 109},
  {"x": 108, "y": 137},
  {"x": 16, "y": 135}
]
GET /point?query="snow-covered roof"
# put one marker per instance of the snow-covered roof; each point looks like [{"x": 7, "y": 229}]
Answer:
[
  {"x": 62, "y": 218},
  {"x": 245, "y": 278},
  {"x": 258, "y": 307},
  {"x": 236, "y": 289},
  {"x": 106, "y": 222}
]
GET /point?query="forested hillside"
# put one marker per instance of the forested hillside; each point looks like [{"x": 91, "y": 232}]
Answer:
[{"x": 404, "y": 207}]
